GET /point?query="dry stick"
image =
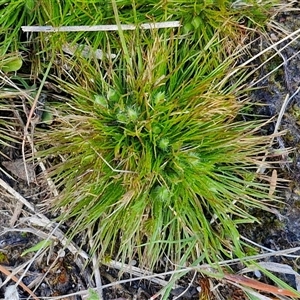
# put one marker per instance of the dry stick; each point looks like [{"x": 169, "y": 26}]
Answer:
[
  {"x": 156, "y": 25},
  {"x": 284, "y": 254},
  {"x": 31, "y": 230},
  {"x": 29, "y": 263}
]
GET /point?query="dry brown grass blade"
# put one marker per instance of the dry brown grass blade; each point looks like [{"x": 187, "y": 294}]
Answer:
[
  {"x": 252, "y": 283},
  {"x": 20, "y": 283}
]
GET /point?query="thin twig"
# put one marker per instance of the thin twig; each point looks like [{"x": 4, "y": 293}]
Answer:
[{"x": 157, "y": 25}]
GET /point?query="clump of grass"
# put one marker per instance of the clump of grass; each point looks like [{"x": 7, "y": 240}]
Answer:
[
  {"x": 199, "y": 18},
  {"x": 155, "y": 160}
]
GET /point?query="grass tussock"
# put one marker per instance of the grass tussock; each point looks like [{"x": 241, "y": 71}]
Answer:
[{"x": 154, "y": 157}]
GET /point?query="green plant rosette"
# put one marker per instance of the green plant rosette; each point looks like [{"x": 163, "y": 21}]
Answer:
[{"x": 155, "y": 157}]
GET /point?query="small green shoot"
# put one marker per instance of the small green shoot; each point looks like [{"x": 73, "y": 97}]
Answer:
[
  {"x": 10, "y": 63},
  {"x": 42, "y": 245},
  {"x": 93, "y": 295}
]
